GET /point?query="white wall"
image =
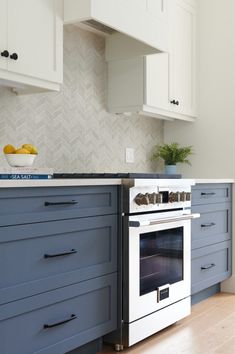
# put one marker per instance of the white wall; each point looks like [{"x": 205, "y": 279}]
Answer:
[{"x": 213, "y": 134}]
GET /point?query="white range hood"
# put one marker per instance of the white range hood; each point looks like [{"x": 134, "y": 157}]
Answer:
[{"x": 120, "y": 18}]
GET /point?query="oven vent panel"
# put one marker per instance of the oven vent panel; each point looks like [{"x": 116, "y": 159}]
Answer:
[{"x": 98, "y": 26}]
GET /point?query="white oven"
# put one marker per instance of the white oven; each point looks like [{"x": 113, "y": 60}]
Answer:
[
  {"x": 159, "y": 261},
  {"x": 156, "y": 257},
  {"x": 159, "y": 268}
]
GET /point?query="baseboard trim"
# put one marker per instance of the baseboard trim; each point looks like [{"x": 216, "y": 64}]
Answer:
[
  {"x": 228, "y": 286},
  {"x": 205, "y": 294}
]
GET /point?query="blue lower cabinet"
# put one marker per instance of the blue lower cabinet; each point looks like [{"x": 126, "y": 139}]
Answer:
[
  {"x": 213, "y": 226},
  {"x": 28, "y": 205},
  {"x": 211, "y": 238},
  {"x": 40, "y": 257},
  {"x": 210, "y": 265},
  {"x": 211, "y": 193},
  {"x": 61, "y": 320},
  {"x": 58, "y": 268}
]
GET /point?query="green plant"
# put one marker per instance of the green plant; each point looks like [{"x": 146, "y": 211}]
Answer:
[{"x": 172, "y": 153}]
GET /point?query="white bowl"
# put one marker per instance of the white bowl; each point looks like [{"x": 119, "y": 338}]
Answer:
[{"x": 20, "y": 160}]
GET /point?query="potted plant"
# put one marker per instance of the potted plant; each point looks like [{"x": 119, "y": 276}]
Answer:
[{"x": 172, "y": 154}]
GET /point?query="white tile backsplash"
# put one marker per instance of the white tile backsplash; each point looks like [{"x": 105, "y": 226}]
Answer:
[{"x": 72, "y": 129}]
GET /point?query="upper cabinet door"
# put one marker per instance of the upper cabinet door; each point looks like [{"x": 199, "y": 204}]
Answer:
[
  {"x": 157, "y": 81},
  {"x": 3, "y": 33},
  {"x": 182, "y": 57},
  {"x": 35, "y": 38}
]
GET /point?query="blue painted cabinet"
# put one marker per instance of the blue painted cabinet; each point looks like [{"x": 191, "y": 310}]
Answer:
[
  {"x": 211, "y": 235},
  {"x": 58, "y": 268},
  {"x": 29, "y": 205}
]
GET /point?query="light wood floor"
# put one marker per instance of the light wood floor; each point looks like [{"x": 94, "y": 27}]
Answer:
[{"x": 210, "y": 329}]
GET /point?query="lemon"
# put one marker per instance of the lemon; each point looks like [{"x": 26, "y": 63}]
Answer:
[
  {"x": 31, "y": 148},
  {"x": 9, "y": 149},
  {"x": 34, "y": 150},
  {"x": 22, "y": 151}
]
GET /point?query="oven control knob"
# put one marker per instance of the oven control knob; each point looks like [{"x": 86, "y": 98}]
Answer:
[
  {"x": 171, "y": 197},
  {"x": 155, "y": 198},
  {"x": 138, "y": 199},
  {"x": 174, "y": 197},
  {"x": 142, "y": 199},
  {"x": 188, "y": 197},
  {"x": 159, "y": 198},
  {"x": 152, "y": 198},
  {"x": 183, "y": 196}
]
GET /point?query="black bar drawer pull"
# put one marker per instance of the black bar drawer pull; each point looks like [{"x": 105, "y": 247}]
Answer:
[
  {"x": 71, "y": 318},
  {"x": 208, "y": 193},
  {"x": 71, "y": 202},
  {"x": 68, "y": 253},
  {"x": 208, "y": 225},
  {"x": 208, "y": 266}
]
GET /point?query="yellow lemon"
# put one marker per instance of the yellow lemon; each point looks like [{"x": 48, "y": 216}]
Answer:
[
  {"x": 9, "y": 149},
  {"x": 31, "y": 148},
  {"x": 34, "y": 150},
  {"x": 22, "y": 151}
]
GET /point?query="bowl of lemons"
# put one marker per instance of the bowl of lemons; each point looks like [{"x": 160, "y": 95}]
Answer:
[{"x": 23, "y": 156}]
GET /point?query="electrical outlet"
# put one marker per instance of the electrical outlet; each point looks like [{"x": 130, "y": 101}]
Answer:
[{"x": 130, "y": 155}]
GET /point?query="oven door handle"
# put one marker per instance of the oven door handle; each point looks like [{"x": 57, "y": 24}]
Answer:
[{"x": 183, "y": 217}]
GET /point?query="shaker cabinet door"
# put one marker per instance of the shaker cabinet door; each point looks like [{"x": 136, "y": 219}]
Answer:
[
  {"x": 157, "y": 81},
  {"x": 35, "y": 38},
  {"x": 170, "y": 77},
  {"x": 182, "y": 57},
  {"x": 3, "y": 34}
]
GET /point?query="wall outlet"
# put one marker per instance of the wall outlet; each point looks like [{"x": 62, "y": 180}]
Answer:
[{"x": 130, "y": 155}]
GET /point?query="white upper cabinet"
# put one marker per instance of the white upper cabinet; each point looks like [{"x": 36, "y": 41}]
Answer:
[
  {"x": 166, "y": 84},
  {"x": 3, "y": 34},
  {"x": 182, "y": 57},
  {"x": 33, "y": 36},
  {"x": 141, "y": 85}
]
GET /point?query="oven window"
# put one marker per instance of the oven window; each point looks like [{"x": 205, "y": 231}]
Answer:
[{"x": 161, "y": 259}]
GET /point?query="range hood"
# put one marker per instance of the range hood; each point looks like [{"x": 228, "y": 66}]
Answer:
[
  {"x": 98, "y": 26},
  {"x": 120, "y": 19}
]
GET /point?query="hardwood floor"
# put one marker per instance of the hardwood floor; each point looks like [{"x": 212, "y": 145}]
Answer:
[{"x": 210, "y": 329}]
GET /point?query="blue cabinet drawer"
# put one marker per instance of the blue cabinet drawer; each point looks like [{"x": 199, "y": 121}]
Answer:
[
  {"x": 28, "y": 205},
  {"x": 60, "y": 320},
  {"x": 213, "y": 226},
  {"x": 210, "y": 265},
  {"x": 211, "y": 193},
  {"x": 39, "y": 257}
]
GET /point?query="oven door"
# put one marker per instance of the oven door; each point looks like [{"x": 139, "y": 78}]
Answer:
[{"x": 159, "y": 262}]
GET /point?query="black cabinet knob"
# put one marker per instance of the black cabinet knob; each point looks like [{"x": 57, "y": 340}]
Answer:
[
  {"x": 175, "y": 102},
  {"x": 14, "y": 56},
  {"x": 5, "y": 54}
]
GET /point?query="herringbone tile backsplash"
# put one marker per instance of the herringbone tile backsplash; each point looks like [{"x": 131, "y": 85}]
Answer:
[{"x": 72, "y": 129}]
